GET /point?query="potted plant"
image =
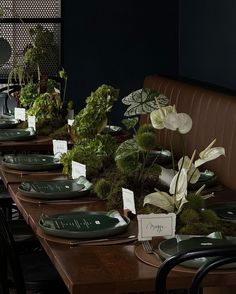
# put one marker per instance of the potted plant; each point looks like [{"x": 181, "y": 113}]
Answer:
[
  {"x": 133, "y": 167},
  {"x": 193, "y": 216},
  {"x": 37, "y": 91},
  {"x": 91, "y": 146}
]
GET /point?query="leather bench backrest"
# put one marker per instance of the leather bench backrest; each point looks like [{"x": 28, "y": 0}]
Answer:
[{"x": 214, "y": 116}]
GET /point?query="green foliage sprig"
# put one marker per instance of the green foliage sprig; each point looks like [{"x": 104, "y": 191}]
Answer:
[
  {"x": 91, "y": 152},
  {"x": 36, "y": 53},
  {"x": 93, "y": 118},
  {"x": 132, "y": 156},
  {"x": 30, "y": 92}
]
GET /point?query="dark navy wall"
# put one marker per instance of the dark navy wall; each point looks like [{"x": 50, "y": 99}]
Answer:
[
  {"x": 118, "y": 43},
  {"x": 207, "y": 41}
]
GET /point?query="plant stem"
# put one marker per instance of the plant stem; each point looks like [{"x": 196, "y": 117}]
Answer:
[
  {"x": 64, "y": 90},
  {"x": 182, "y": 163},
  {"x": 172, "y": 155}
]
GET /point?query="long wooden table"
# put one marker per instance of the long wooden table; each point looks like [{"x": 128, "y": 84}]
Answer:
[
  {"x": 112, "y": 268},
  {"x": 38, "y": 144}
]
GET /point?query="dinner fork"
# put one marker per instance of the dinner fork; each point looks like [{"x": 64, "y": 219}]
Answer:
[{"x": 148, "y": 248}]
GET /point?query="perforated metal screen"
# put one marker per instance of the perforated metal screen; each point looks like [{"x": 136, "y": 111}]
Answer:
[{"x": 46, "y": 13}]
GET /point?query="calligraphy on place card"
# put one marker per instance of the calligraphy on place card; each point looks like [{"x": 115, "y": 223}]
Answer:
[
  {"x": 155, "y": 225},
  {"x": 59, "y": 147},
  {"x": 78, "y": 169},
  {"x": 32, "y": 122},
  {"x": 19, "y": 113},
  {"x": 128, "y": 200}
]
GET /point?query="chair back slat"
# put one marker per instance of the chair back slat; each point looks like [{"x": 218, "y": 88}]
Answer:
[
  {"x": 10, "y": 264},
  {"x": 219, "y": 256}
]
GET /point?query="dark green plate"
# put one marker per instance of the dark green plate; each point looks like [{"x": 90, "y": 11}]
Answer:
[
  {"x": 31, "y": 162},
  {"x": 82, "y": 224},
  {"x": 6, "y": 123},
  {"x": 113, "y": 130},
  {"x": 207, "y": 178},
  {"x": 16, "y": 134},
  {"x": 169, "y": 247},
  {"x": 55, "y": 189},
  {"x": 225, "y": 211},
  {"x": 160, "y": 156}
]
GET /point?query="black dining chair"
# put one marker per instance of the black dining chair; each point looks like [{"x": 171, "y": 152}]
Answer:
[
  {"x": 6, "y": 92},
  {"x": 23, "y": 235},
  {"x": 30, "y": 272},
  {"x": 7, "y": 96},
  {"x": 216, "y": 257}
]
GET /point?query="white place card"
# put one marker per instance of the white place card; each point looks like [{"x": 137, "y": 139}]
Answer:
[
  {"x": 155, "y": 225},
  {"x": 32, "y": 122},
  {"x": 128, "y": 200},
  {"x": 19, "y": 113},
  {"x": 78, "y": 169},
  {"x": 70, "y": 122},
  {"x": 59, "y": 147}
]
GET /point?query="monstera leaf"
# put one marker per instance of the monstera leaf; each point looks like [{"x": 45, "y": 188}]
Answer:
[{"x": 143, "y": 101}]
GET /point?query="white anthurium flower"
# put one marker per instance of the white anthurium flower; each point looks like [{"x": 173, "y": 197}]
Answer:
[
  {"x": 166, "y": 176},
  {"x": 193, "y": 173},
  {"x": 178, "y": 185},
  {"x": 178, "y": 121},
  {"x": 160, "y": 199},
  {"x": 209, "y": 154},
  {"x": 180, "y": 204},
  {"x": 158, "y": 116},
  {"x": 173, "y": 202}
]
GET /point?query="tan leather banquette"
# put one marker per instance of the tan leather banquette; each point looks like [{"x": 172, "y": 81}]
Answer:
[{"x": 214, "y": 116}]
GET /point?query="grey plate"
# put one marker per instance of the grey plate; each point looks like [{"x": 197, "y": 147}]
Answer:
[
  {"x": 8, "y": 123},
  {"x": 16, "y": 134},
  {"x": 55, "y": 189},
  {"x": 169, "y": 247},
  {"x": 81, "y": 224},
  {"x": 31, "y": 162}
]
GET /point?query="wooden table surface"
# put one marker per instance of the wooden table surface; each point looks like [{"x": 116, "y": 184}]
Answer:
[
  {"x": 38, "y": 144},
  {"x": 103, "y": 268}
]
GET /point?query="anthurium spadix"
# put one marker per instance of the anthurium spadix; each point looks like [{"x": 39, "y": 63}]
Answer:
[
  {"x": 178, "y": 185},
  {"x": 210, "y": 153},
  {"x": 158, "y": 116},
  {"x": 193, "y": 173},
  {"x": 181, "y": 122}
]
